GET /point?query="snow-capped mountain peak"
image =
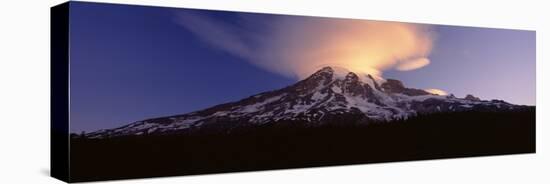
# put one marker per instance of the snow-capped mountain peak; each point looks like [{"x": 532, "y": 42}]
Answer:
[{"x": 329, "y": 93}]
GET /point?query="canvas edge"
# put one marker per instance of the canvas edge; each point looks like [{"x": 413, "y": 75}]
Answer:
[{"x": 59, "y": 91}]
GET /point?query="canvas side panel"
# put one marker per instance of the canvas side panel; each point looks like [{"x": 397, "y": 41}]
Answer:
[{"x": 59, "y": 78}]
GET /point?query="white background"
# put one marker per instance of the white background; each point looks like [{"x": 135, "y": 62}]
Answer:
[{"x": 24, "y": 91}]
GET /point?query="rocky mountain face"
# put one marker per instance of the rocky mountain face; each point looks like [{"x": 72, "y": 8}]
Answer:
[{"x": 327, "y": 94}]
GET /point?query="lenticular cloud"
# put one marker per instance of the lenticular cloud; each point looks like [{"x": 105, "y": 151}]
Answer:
[{"x": 298, "y": 46}]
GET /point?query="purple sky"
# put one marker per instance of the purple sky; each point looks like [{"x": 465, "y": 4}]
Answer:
[
  {"x": 130, "y": 63},
  {"x": 488, "y": 63}
]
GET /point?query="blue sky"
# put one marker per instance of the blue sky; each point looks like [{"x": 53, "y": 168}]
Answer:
[{"x": 130, "y": 63}]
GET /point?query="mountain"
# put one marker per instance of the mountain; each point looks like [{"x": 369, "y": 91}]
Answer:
[{"x": 328, "y": 94}]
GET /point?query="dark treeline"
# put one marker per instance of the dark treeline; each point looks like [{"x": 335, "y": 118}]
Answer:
[{"x": 292, "y": 145}]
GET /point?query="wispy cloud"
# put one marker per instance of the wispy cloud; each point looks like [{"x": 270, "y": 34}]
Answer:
[
  {"x": 296, "y": 46},
  {"x": 436, "y": 91}
]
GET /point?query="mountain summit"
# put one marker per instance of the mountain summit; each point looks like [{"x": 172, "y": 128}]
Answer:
[{"x": 328, "y": 94}]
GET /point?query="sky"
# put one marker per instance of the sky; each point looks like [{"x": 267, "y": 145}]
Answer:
[{"x": 129, "y": 63}]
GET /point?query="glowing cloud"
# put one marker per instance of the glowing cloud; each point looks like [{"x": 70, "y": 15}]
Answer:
[
  {"x": 437, "y": 92},
  {"x": 298, "y": 46},
  {"x": 413, "y": 64}
]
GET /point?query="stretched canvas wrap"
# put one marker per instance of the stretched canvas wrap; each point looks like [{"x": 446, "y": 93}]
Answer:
[{"x": 140, "y": 91}]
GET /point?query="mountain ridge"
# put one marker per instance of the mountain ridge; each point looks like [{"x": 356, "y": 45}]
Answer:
[{"x": 326, "y": 94}]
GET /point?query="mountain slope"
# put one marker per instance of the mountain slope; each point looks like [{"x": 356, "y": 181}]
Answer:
[{"x": 328, "y": 93}]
